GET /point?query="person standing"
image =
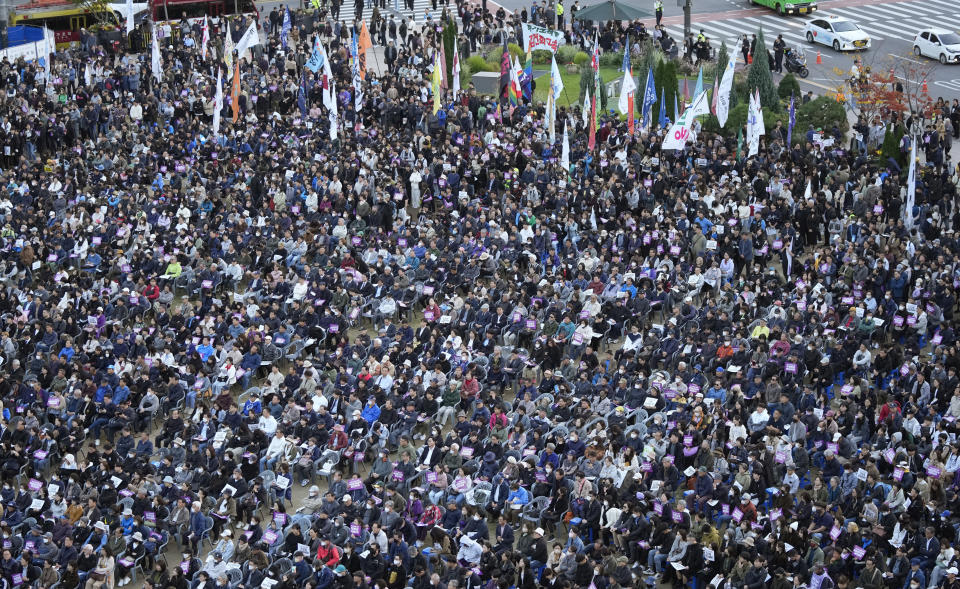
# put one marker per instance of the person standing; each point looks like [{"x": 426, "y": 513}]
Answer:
[
  {"x": 778, "y": 46},
  {"x": 658, "y": 8},
  {"x": 559, "y": 15},
  {"x": 274, "y": 21}
]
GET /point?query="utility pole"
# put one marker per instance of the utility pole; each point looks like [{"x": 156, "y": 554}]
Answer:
[{"x": 687, "y": 8}]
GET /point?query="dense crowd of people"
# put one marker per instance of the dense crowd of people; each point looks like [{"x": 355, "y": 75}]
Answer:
[{"x": 425, "y": 355}]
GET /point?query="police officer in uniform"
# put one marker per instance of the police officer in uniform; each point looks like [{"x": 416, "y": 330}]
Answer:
[
  {"x": 658, "y": 7},
  {"x": 559, "y": 15}
]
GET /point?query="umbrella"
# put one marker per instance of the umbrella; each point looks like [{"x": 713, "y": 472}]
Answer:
[{"x": 611, "y": 10}]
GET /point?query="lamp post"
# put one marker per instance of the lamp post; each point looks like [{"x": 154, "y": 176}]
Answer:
[{"x": 687, "y": 8}]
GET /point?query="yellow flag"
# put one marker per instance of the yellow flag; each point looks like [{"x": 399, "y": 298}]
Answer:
[{"x": 436, "y": 82}]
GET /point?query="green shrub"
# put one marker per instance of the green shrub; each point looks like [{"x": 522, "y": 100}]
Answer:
[
  {"x": 516, "y": 51},
  {"x": 581, "y": 58},
  {"x": 542, "y": 56},
  {"x": 611, "y": 60},
  {"x": 789, "y": 87},
  {"x": 478, "y": 64},
  {"x": 565, "y": 54},
  {"x": 823, "y": 113}
]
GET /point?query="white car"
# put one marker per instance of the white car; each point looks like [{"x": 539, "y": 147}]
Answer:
[
  {"x": 940, "y": 44},
  {"x": 840, "y": 33}
]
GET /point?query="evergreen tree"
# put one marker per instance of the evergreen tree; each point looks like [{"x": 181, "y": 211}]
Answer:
[
  {"x": 665, "y": 81},
  {"x": 449, "y": 40},
  {"x": 759, "y": 76},
  {"x": 723, "y": 56}
]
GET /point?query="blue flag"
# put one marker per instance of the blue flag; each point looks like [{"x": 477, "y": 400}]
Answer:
[
  {"x": 649, "y": 97},
  {"x": 625, "y": 66},
  {"x": 315, "y": 63},
  {"x": 302, "y": 97},
  {"x": 663, "y": 108},
  {"x": 792, "y": 122},
  {"x": 285, "y": 28},
  {"x": 699, "y": 88}
]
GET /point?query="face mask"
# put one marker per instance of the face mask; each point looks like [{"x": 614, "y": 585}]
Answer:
[
  {"x": 396, "y": 562},
  {"x": 253, "y": 523},
  {"x": 476, "y": 518},
  {"x": 572, "y": 535}
]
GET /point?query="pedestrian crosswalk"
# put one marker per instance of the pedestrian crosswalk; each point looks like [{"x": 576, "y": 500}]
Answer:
[
  {"x": 899, "y": 21},
  {"x": 398, "y": 7}
]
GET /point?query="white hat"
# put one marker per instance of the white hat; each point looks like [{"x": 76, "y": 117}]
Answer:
[
  {"x": 836, "y": 437},
  {"x": 953, "y": 571},
  {"x": 138, "y": 536},
  {"x": 538, "y": 531}
]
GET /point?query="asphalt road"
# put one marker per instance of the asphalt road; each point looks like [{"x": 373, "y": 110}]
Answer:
[{"x": 892, "y": 25}]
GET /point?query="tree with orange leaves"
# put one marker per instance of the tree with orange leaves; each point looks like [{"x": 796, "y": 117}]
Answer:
[{"x": 893, "y": 88}]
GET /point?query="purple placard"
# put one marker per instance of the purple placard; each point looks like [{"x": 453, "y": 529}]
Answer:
[
  {"x": 790, "y": 367},
  {"x": 334, "y": 328},
  {"x": 737, "y": 515},
  {"x": 846, "y": 389},
  {"x": 531, "y": 324},
  {"x": 693, "y": 388},
  {"x": 780, "y": 457},
  {"x": 280, "y": 518},
  {"x": 354, "y": 484},
  {"x": 466, "y": 452},
  {"x": 889, "y": 454},
  {"x": 270, "y": 536},
  {"x": 676, "y": 516},
  {"x": 688, "y": 439},
  {"x": 34, "y": 485},
  {"x": 933, "y": 471},
  {"x": 658, "y": 508},
  {"x": 835, "y": 533},
  {"x": 898, "y": 473},
  {"x": 776, "y": 514},
  {"x": 898, "y": 321},
  {"x": 428, "y": 290},
  {"x": 398, "y": 475},
  {"x": 859, "y": 551},
  {"x": 431, "y": 476},
  {"x": 355, "y": 530},
  {"x": 725, "y": 508},
  {"x": 150, "y": 516},
  {"x": 833, "y": 447},
  {"x": 688, "y": 452}
]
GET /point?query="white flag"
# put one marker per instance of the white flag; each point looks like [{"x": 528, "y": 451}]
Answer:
[
  {"x": 455, "y": 72},
  {"x": 357, "y": 90},
  {"x": 754, "y": 125},
  {"x": 217, "y": 105},
  {"x": 699, "y": 106},
  {"x": 332, "y": 114},
  {"x": 565, "y": 151},
  {"x": 678, "y": 133},
  {"x": 586, "y": 110},
  {"x": 155, "y": 57},
  {"x": 129, "y": 16},
  {"x": 49, "y": 46},
  {"x": 726, "y": 83},
  {"x": 329, "y": 94},
  {"x": 556, "y": 87},
  {"x": 250, "y": 38},
  {"x": 911, "y": 185},
  {"x": 555, "y": 78},
  {"x": 205, "y": 39},
  {"x": 627, "y": 87},
  {"x": 228, "y": 51}
]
